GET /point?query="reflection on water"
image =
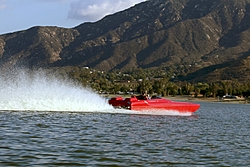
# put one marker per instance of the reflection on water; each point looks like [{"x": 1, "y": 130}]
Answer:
[{"x": 217, "y": 135}]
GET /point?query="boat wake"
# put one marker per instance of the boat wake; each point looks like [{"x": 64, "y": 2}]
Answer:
[
  {"x": 163, "y": 112},
  {"x": 36, "y": 91},
  {"x": 23, "y": 90}
]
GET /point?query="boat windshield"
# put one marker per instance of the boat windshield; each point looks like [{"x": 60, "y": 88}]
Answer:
[
  {"x": 143, "y": 97},
  {"x": 155, "y": 97}
]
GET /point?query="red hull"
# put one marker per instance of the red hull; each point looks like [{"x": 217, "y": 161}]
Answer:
[{"x": 153, "y": 104}]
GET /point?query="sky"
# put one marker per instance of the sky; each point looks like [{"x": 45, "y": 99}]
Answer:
[{"x": 17, "y": 15}]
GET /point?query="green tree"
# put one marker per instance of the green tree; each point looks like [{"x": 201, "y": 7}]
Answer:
[
  {"x": 227, "y": 86},
  {"x": 145, "y": 87},
  {"x": 214, "y": 87}
]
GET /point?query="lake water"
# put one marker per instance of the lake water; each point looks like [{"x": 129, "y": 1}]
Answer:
[
  {"x": 216, "y": 135},
  {"x": 52, "y": 123}
]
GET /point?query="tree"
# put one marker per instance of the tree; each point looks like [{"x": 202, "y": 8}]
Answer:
[
  {"x": 227, "y": 86},
  {"x": 187, "y": 87},
  {"x": 164, "y": 86},
  {"x": 171, "y": 88},
  {"x": 157, "y": 87},
  {"x": 204, "y": 88},
  {"x": 214, "y": 87},
  {"x": 145, "y": 87}
]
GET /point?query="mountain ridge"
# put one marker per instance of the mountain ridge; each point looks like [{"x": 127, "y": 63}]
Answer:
[{"x": 200, "y": 39}]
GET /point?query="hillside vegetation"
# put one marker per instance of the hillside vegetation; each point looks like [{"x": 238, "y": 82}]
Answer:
[{"x": 198, "y": 40}]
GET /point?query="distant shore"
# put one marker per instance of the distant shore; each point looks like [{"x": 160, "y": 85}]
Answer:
[
  {"x": 209, "y": 99},
  {"x": 197, "y": 99}
]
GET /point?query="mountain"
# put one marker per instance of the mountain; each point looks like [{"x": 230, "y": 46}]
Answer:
[{"x": 203, "y": 40}]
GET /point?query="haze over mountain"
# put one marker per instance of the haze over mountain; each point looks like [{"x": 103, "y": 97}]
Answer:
[{"x": 203, "y": 40}]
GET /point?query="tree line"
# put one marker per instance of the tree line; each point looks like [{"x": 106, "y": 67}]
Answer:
[{"x": 153, "y": 81}]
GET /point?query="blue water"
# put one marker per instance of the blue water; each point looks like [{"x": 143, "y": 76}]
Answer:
[
  {"x": 46, "y": 121},
  {"x": 216, "y": 135}
]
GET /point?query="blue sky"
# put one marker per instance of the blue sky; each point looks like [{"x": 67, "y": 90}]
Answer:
[{"x": 16, "y": 15}]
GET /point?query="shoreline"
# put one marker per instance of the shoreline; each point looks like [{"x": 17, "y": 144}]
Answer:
[
  {"x": 208, "y": 99},
  {"x": 195, "y": 99}
]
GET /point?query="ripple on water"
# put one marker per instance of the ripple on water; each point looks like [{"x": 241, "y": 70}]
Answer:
[{"x": 216, "y": 136}]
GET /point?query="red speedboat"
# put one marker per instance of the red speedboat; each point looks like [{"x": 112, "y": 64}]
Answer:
[{"x": 140, "y": 103}]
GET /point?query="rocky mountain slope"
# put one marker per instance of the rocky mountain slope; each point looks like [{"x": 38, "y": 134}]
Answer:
[{"x": 203, "y": 40}]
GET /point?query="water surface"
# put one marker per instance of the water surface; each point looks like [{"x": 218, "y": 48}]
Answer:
[
  {"x": 217, "y": 135},
  {"x": 51, "y": 122}
]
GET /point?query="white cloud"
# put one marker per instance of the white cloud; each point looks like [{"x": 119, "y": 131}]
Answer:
[
  {"x": 2, "y": 4},
  {"x": 96, "y": 9}
]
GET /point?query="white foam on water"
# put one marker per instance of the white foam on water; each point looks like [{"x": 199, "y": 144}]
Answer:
[
  {"x": 163, "y": 112},
  {"x": 36, "y": 91}
]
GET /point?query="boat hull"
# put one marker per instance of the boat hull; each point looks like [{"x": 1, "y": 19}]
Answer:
[{"x": 153, "y": 104}]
